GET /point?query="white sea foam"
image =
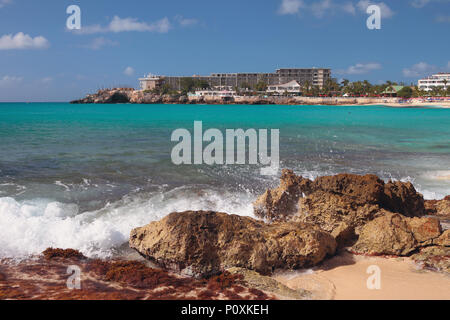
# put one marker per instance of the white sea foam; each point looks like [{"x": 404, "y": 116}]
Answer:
[{"x": 29, "y": 227}]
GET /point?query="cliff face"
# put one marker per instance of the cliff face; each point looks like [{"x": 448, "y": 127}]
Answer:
[{"x": 123, "y": 95}]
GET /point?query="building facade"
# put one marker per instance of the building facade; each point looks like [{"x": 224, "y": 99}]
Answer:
[
  {"x": 314, "y": 76},
  {"x": 292, "y": 87},
  {"x": 436, "y": 80}
]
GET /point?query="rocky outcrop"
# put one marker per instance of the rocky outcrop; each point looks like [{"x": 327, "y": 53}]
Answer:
[
  {"x": 203, "y": 243},
  {"x": 403, "y": 198},
  {"x": 438, "y": 207},
  {"x": 395, "y": 234},
  {"x": 436, "y": 258},
  {"x": 338, "y": 204},
  {"x": 443, "y": 240},
  {"x": 117, "y": 95},
  {"x": 146, "y": 97},
  {"x": 269, "y": 284},
  {"x": 46, "y": 278},
  {"x": 280, "y": 204}
]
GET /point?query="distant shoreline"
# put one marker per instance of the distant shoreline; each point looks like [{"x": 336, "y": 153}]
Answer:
[{"x": 113, "y": 96}]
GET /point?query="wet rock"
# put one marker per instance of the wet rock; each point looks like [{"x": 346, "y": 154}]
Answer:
[
  {"x": 395, "y": 234},
  {"x": 438, "y": 207},
  {"x": 344, "y": 235},
  {"x": 403, "y": 198},
  {"x": 203, "y": 243},
  {"x": 280, "y": 203},
  {"x": 330, "y": 211},
  {"x": 339, "y": 204},
  {"x": 362, "y": 189},
  {"x": 443, "y": 240},
  {"x": 436, "y": 258},
  {"x": 269, "y": 284}
]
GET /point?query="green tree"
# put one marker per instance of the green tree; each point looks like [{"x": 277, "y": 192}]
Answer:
[
  {"x": 344, "y": 83},
  {"x": 246, "y": 85},
  {"x": 405, "y": 92},
  {"x": 191, "y": 84},
  {"x": 315, "y": 91},
  {"x": 187, "y": 85},
  {"x": 307, "y": 87},
  {"x": 261, "y": 86}
]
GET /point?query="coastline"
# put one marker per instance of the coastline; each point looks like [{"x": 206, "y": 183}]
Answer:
[
  {"x": 352, "y": 223},
  {"x": 344, "y": 277},
  {"x": 120, "y": 96}
]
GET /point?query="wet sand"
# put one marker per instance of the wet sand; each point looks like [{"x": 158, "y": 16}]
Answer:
[{"x": 345, "y": 276}]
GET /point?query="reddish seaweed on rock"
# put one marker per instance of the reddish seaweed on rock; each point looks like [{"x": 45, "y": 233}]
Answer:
[
  {"x": 45, "y": 278},
  {"x": 51, "y": 253}
]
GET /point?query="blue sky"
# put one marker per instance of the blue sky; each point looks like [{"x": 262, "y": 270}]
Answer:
[{"x": 40, "y": 60}]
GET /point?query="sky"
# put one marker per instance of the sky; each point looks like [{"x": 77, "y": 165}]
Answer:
[{"x": 120, "y": 41}]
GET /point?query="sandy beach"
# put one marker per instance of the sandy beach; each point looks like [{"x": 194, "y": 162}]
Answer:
[
  {"x": 344, "y": 277},
  {"x": 445, "y": 104}
]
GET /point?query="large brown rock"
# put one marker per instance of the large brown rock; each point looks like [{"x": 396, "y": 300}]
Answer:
[
  {"x": 443, "y": 240},
  {"x": 362, "y": 189},
  {"x": 395, "y": 234},
  {"x": 436, "y": 258},
  {"x": 438, "y": 207},
  {"x": 203, "y": 243},
  {"x": 403, "y": 198},
  {"x": 280, "y": 203},
  {"x": 339, "y": 204}
]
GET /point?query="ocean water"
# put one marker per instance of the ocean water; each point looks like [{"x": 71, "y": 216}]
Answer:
[{"x": 82, "y": 176}]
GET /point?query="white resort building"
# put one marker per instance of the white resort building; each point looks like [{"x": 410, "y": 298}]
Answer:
[
  {"x": 215, "y": 93},
  {"x": 290, "y": 87},
  {"x": 436, "y": 80},
  {"x": 150, "y": 82}
]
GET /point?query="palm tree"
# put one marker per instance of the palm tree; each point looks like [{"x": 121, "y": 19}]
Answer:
[
  {"x": 366, "y": 87},
  {"x": 307, "y": 87}
]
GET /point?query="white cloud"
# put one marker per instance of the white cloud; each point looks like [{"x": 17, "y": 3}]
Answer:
[
  {"x": 386, "y": 11},
  {"x": 419, "y": 69},
  {"x": 419, "y": 3},
  {"x": 46, "y": 80},
  {"x": 291, "y": 6},
  {"x": 126, "y": 25},
  {"x": 443, "y": 19},
  {"x": 422, "y": 3},
  {"x": 185, "y": 22},
  {"x": 129, "y": 71},
  {"x": 22, "y": 41},
  {"x": 99, "y": 43},
  {"x": 10, "y": 81},
  {"x": 423, "y": 69},
  {"x": 349, "y": 8},
  {"x": 4, "y": 3},
  {"x": 360, "y": 68},
  {"x": 321, "y": 8}
]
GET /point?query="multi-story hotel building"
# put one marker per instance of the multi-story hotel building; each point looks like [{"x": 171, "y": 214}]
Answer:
[
  {"x": 314, "y": 76},
  {"x": 436, "y": 80}
]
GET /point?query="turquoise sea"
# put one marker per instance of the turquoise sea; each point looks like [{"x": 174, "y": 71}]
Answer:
[{"x": 82, "y": 176}]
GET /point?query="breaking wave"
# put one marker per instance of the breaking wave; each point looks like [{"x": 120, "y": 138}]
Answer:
[{"x": 28, "y": 227}]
